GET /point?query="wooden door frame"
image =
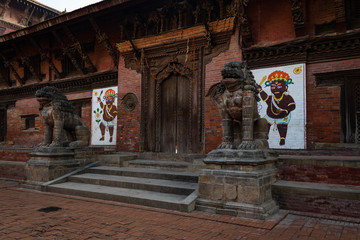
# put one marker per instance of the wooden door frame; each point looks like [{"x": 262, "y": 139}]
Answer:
[{"x": 188, "y": 74}]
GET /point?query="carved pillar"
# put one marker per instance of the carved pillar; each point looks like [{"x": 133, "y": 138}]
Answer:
[
  {"x": 340, "y": 15},
  {"x": 78, "y": 47},
  {"x": 104, "y": 40},
  {"x": 298, "y": 17}
]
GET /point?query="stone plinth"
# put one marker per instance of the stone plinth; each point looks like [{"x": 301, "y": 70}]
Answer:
[
  {"x": 238, "y": 183},
  {"x": 45, "y": 166}
]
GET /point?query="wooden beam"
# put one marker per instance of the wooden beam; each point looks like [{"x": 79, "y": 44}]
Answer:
[
  {"x": 8, "y": 64},
  {"x": 45, "y": 57},
  {"x": 298, "y": 17},
  {"x": 68, "y": 52},
  {"x": 80, "y": 50},
  {"x": 5, "y": 7},
  {"x": 340, "y": 15},
  {"x": 26, "y": 61},
  {"x": 104, "y": 40}
]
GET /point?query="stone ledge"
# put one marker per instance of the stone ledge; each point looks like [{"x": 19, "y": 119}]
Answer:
[
  {"x": 323, "y": 161},
  {"x": 349, "y": 192}
]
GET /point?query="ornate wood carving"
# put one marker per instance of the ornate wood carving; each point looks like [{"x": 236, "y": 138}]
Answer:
[
  {"x": 26, "y": 16},
  {"x": 75, "y": 84},
  {"x": 26, "y": 62},
  {"x": 5, "y": 7},
  {"x": 340, "y": 15},
  {"x": 104, "y": 40},
  {"x": 69, "y": 52},
  {"x": 80, "y": 50},
  {"x": 8, "y": 64},
  {"x": 129, "y": 102},
  {"x": 217, "y": 28},
  {"x": 311, "y": 49},
  {"x": 298, "y": 17},
  {"x": 45, "y": 57}
]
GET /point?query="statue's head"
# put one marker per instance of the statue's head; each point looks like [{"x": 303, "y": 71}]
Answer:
[
  {"x": 52, "y": 96},
  {"x": 48, "y": 94},
  {"x": 233, "y": 75}
]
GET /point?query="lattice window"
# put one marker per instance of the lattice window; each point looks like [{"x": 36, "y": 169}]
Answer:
[{"x": 357, "y": 100}]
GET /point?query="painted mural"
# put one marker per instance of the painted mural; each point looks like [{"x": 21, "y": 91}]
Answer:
[
  {"x": 282, "y": 104},
  {"x": 104, "y": 116}
]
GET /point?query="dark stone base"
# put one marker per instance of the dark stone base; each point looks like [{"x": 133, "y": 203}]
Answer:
[
  {"x": 263, "y": 211},
  {"x": 238, "y": 183},
  {"x": 46, "y": 166}
]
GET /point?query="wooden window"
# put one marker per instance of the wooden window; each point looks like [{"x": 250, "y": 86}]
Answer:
[
  {"x": 2, "y": 124},
  {"x": 353, "y": 14},
  {"x": 29, "y": 121}
]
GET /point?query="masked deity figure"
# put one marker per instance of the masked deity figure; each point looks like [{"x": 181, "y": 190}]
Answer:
[
  {"x": 109, "y": 114},
  {"x": 279, "y": 104}
]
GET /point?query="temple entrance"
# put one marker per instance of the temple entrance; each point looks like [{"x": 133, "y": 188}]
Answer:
[
  {"x": 175, "y": 113},
  {"x": 2, "y": 124},
  {"x": 351, "y": 111}
]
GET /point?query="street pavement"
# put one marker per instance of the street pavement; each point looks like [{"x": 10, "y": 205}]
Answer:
[{"x": 83, "y": 218}]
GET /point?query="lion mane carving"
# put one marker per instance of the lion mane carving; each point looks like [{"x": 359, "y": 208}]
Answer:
[
  {"x": 236, "y": 97},
  {"x": 59, "y": 119}
]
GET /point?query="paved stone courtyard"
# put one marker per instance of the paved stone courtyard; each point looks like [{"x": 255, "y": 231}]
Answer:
[{"x": 82, "y": 218}]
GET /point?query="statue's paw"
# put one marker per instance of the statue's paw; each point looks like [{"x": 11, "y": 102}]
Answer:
[
  {"x": 247, "y": 145},
  {"x": 43, "y": 144},
  {"x": 226, "y": 145},
  {"x": 55, "y": 145}
]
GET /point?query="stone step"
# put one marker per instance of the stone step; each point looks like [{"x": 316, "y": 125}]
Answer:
[
  {"x": 117, "y": 159},
  {"x": 184, "y": 176},
  {"x": 160, "y": 164},
  {"x": 185, "y": 203},
  {"x": 335, "y": 199},
  {"x": 156, "y": 185}
]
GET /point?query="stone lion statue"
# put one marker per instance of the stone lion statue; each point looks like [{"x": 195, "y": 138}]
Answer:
[
  {"x": 236, "y": 97},
  {"x": 60, "y": 120}
]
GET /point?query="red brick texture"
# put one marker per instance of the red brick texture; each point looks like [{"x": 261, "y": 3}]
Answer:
[
  {"x": 14, "y": 156},
  {"x": 128, "y": 133},
  {"x": 321, "y": 174},
  {"x": 328, "y": 205},
  {"x": 213, "y": 130},
  {"x": 323, "y": 103}
]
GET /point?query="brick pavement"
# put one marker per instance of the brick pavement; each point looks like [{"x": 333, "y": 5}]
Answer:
[{"x": 82, "y": 218}]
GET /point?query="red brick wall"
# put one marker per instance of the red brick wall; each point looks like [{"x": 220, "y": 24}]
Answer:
[
  {"x": 30, "y": 138},
  {"x": 320, "y": 174},
  {"x": 128, "y": 133},
  {"x": 324, "y": 205},
  {"x": 14, "y": 156},
  {"x": 213, "y": 130},
  {"x": 323, "y": 103},
  {"x": 271, "y": 23}
]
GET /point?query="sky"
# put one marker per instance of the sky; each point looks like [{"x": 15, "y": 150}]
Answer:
[{"x": 69, "y": 5}]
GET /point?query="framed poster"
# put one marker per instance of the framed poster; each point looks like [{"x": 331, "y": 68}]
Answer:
[
  {"x": 104, "y": 116},
  {"x": 282, "y": 103}
]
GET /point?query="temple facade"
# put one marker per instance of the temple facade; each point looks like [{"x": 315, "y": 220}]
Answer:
[
  {"x": 143, "y": 76},
  {"x": 162, "y": 58}
]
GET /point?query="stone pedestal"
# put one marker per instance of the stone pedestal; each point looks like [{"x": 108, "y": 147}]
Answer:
[
  {"x": 238, "y": 183},
  {"x": 46, "y": 166}
]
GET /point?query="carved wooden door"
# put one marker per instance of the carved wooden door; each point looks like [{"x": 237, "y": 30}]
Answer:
[
  {"x": 175, "y": 115},
  {"x": 2, "y": 125},
  {"x": 351, "y": 112}
]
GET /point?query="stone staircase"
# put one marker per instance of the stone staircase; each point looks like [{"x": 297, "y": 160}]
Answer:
[
  {"x": 168, "y": 183},
  {"x": 321, "y": 184}
]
